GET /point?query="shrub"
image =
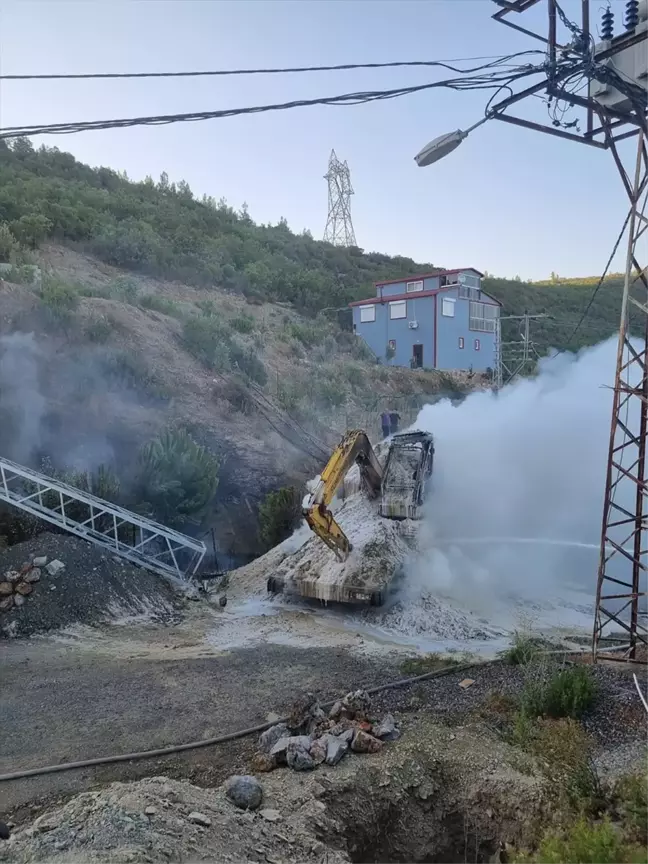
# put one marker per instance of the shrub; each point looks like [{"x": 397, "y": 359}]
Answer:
[
  {"x": 59, "y": 299},
  {"x": 569, "y": 692},
  {"x": 307, "y": 334},
  {"x": 124, "y": 288},
  {"x": 176, "y": 478},
  {"x": 630, "y": 800},
  {"x": 566, "y": 750},
  {"x": 242, "y": 323},
  {"x": 207, "y": 339},
  {"x": 157, "y": 303},
  {"x": 525, "y": 649},
  {"x": 126, "y": 368},
  {"x": 587, "y": 842},
  {"x": 247, "y": 362},
  {"x": 279, "y": 515},
  {"x": 99, "y": 329}
]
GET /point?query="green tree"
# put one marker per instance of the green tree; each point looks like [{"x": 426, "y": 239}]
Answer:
[
  {"x": 32, "y": 229},
  {"x": 176, "y": 478},
  {"x": 279, "y": 515}
]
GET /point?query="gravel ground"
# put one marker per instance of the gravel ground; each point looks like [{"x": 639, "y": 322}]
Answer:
[{"x": 93, "y": 588}]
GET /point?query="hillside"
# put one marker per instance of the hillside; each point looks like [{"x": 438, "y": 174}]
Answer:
[
  {"x": 116, "y": 359},
  {"x": 157, "y": 311}
]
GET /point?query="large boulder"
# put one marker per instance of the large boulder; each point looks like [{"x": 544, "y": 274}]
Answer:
[
  {"x": 270, "y": 737},
  {"x": 244, "y": 791}
]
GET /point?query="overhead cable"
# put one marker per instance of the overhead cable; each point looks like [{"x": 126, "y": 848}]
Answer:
[
  {"x": 479, "y": 82},
  {"x": 499, "y": 60}
]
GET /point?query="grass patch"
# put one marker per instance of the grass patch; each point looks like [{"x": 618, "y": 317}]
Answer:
[
  {"x": 586, "y": 842},
  {"x": 630, "y": 803},
  {"x": 157, "y": 303},
  {"x": 59, "y": 298},
  {"x": 242, "y": 323},
  {"x": 525, "y": 649},
  {"x": 568, "y": 692}
]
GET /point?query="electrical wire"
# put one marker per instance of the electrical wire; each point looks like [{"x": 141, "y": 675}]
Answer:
[
  {"x": 500, "y": 60},
  {"x": 487, "y": 81},
  {"x": 597, "y": 287}
]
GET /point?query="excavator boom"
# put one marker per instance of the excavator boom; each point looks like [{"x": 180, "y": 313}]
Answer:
[{"x": 354, "y": 447}]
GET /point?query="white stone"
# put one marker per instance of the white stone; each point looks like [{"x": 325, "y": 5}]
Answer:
[
  {"x": 270, "y": 815},
  {"x": 55, "y": 567},
  {"x": 40, "y": 562},
  {"x": 200, "y": 819}
]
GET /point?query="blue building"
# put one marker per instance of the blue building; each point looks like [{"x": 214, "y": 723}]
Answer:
[{"x": 433, "y": 321}]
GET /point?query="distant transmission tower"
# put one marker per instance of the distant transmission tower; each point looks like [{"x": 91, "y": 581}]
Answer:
[{"x": 339, "y": 227}]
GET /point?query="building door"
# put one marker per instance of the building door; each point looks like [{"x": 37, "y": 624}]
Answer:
[{"x": 417, "y": 356}]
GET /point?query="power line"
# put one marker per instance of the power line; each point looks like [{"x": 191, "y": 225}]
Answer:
[
  {"x": 501, "y": 60},
  {"x": 482, "y": 82}
]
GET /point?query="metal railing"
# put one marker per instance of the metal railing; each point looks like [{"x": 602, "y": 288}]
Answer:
[{"x": 134, "y": 538}]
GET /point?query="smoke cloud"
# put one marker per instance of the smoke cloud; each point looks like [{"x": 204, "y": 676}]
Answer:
[{"x": 517, "y": 489}]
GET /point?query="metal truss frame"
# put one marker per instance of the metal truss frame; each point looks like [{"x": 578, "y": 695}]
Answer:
[
  {"x": 623, "y": 565},
  {"x": 603, "y": 125},
  {"x": 132, "y": 537},
  {"x": 623, "y": 559}
]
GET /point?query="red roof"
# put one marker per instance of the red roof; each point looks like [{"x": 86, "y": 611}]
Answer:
[
  {"x": 414, "y": 295},
  {"x": 427, "y": 276}
]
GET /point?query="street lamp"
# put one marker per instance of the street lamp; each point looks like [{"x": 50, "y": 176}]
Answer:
[{"x": 444, "y": 144}]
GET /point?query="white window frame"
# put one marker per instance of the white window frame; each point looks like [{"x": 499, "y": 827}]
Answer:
[
  {"x": 395, "y": 308},
  {"x": 451, "y": 308},
  {"x": 364, "y": 312},
  {"x": 462, "y": 343},
  {"x": 412, "y": 287},
  {"x": 477, "y": 344},
  {"x": 483, "y": 316}
]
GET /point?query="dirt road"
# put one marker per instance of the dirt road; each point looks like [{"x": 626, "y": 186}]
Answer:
[{"x": 76, "y": 699}]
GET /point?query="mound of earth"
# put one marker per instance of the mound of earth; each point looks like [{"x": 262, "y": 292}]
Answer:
[
  {"x": 429, "y": 797},
  {"x": 92, "y": 587}
]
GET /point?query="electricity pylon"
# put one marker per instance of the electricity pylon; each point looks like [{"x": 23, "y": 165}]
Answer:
[{"x": 339, "y": 227}]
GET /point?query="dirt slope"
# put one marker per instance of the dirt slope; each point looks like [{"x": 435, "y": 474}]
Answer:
[{"x": 114, "y": 373}]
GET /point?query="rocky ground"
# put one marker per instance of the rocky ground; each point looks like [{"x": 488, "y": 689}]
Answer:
[
  {"x": 430, "y": 796},
  {"x": 76, "y": 582}
]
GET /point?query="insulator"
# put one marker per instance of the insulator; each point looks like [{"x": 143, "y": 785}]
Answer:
[
  {"x": 607, "y": 24},
  {"x": 631, "y": 14}
]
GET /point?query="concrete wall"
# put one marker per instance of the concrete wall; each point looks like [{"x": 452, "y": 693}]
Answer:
[{"x": 377, "y": 334}]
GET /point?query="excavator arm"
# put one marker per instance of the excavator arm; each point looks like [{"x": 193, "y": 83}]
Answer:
[{"x": 354, "y": 447}]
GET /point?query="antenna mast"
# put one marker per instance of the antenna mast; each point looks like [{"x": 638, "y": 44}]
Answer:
[{"x": 339, "y": 227}]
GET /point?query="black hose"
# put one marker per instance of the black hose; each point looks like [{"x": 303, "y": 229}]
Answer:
[{"x": 219, "y": 739}]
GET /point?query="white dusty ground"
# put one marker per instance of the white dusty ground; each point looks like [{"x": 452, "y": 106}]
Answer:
[{"x": 443, "y": 600}]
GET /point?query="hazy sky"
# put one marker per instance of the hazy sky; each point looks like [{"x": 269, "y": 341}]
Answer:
[{"x": 509, "y": 200}]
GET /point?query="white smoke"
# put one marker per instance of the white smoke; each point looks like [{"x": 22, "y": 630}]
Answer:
[{"x": 518, "y": 484}]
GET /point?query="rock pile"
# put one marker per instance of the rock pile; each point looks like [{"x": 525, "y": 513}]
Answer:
[
  {"x": 17, "y": 585},
  {"x": 310, "y": 737}
]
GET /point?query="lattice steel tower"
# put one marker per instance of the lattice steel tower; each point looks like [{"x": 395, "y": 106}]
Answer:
[{"x": 339, "y": 227}]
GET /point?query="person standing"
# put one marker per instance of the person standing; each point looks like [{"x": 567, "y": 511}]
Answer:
[
  {"x": 385, "y": 422},
  {"x": 394, "y": 420}
]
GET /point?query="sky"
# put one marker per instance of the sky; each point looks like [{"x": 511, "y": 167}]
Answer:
[{"x": 509, "y": 201}]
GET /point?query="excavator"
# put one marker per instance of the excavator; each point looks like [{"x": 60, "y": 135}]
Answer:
[
  {"x": 400, "y": 483},
  {"x": 397, "y": 475}
]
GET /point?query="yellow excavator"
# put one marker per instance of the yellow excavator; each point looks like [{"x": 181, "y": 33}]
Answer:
[{"x": 400, "y": 483}]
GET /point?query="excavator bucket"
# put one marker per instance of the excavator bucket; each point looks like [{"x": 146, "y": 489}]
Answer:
[{"x": 323, "y": 523}]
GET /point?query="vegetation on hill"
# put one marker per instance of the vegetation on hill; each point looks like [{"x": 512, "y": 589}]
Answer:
[{"x": 161, "y": 229}]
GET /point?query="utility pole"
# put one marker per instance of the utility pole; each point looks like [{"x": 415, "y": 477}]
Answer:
[
  {"x": 513, "y": 359},
  {"x": 339, "y": 227},
  {"x": 612, "y": 109}
]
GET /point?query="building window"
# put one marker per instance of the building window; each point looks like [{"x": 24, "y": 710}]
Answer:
[
  {"x": 469, "y": 286},
  {"x": 483, "y": 316},
  {"x": 392, "y": 344},
  {"x": 398, "y": 309},
  {"x": 448, "y": 279},
  {"x": 414, "y": 286},
  {"x": 477, "y": 344},
  {"x": 461, "y": 341},
  {"x": 448, "y": 307},
  {"x": 367, "y": 313}
]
